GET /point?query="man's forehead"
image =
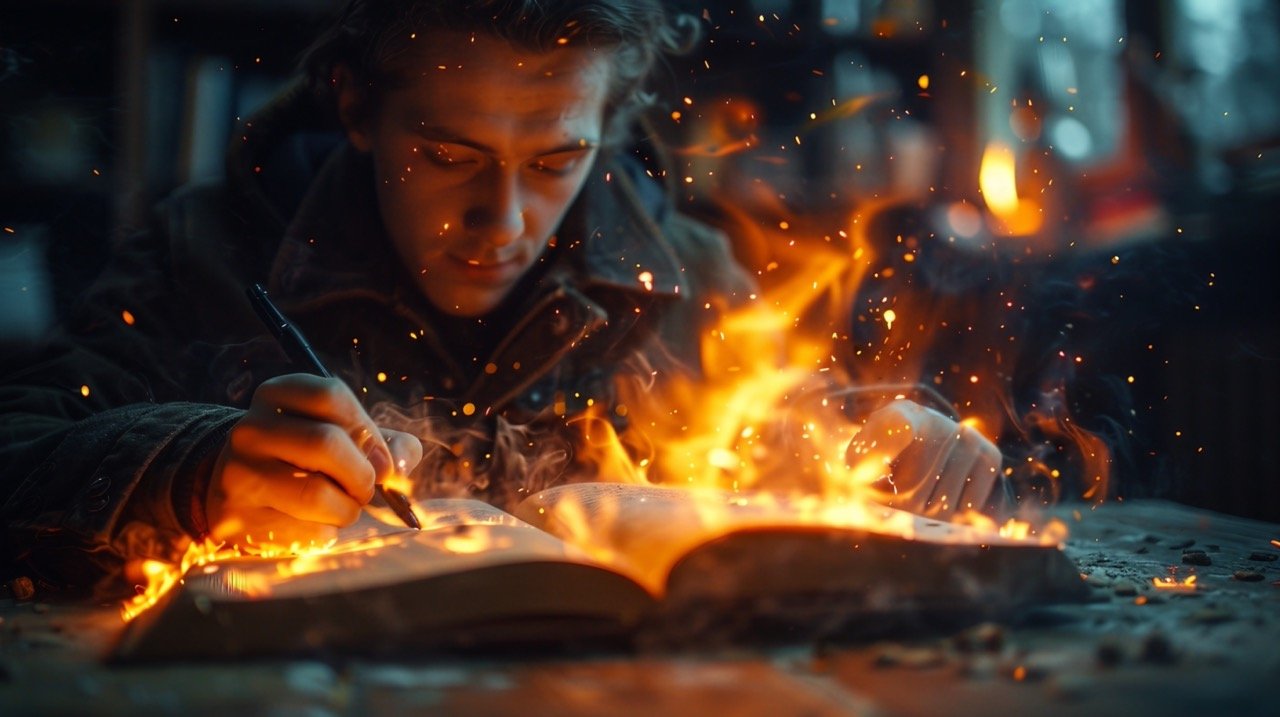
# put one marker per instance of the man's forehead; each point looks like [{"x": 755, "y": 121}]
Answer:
[
  {"x": 493, "y": 85},
  {"x": 435, "y": 109},
  {"x": 454, "y": 58}
]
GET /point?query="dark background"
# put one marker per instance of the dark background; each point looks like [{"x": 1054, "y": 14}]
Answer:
[{"x": 1156, "y": 121}]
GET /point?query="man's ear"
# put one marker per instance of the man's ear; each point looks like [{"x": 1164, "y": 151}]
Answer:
[{"x": 351, "y": 107}]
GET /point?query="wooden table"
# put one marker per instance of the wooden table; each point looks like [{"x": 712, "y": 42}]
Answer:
[{"x": 1133, "y": 649}]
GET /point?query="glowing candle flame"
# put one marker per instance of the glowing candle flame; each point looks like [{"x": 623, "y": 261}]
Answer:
[{"x": 998, "y": 181}]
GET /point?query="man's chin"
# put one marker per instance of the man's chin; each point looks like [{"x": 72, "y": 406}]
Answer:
[{"x": 466, "y": 304}]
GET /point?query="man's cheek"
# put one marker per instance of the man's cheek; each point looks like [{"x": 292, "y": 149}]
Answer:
[{"x": 414, "y": 211}]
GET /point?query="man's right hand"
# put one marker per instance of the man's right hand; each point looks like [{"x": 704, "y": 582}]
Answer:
[{"x": 300, "y": 463}]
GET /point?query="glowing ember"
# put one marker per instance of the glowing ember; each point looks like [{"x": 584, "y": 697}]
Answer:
[{"x": 1187, "y": 585}]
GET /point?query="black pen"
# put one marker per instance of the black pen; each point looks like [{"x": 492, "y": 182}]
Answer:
[{"x": 300, "y": 352}]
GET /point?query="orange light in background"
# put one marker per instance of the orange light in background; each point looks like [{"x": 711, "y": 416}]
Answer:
[
  {"x": 997, "y": 178},
  {"x": 964, "y": 219}
]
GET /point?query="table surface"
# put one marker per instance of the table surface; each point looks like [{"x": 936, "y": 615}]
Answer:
[{"x": 1132, "y": 649}]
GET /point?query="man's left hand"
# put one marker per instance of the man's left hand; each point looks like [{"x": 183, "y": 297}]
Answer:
[{"x": 927, "y": 463}]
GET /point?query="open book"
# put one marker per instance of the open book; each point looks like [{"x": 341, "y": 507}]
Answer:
[{"x": 597, "y": 561}]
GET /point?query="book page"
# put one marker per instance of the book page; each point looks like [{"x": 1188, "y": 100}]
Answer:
[
  {"x": 644, "y": 530},
  {"x": 639, "y": 530},
  {"x": 457, "y": 536}
]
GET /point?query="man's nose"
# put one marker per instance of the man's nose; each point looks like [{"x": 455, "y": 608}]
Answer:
[{"x": 497, "y": 211}]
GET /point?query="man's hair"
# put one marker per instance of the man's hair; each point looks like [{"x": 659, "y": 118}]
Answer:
[{"x": 369, "y": 36}]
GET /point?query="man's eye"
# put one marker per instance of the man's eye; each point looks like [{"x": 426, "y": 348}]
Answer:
[
  {"x": 556, "y": 166},
  {"x": 443, "y": 156}
]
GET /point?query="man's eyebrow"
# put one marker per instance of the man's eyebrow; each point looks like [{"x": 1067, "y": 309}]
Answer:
[{"x": 441, "y": 134}]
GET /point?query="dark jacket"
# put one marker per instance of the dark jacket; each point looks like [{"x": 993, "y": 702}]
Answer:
[{"x": 107, "y": 437}]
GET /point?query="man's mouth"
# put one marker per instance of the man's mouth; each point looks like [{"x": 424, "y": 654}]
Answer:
[{"x": 488, "y": 270}]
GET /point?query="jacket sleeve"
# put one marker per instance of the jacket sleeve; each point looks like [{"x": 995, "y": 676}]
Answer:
[{"x": 101, "y": 460}]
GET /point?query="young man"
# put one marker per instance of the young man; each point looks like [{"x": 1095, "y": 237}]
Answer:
[
  {"x": 447, "y": 211},
  {"x": 450, "y": 214}
]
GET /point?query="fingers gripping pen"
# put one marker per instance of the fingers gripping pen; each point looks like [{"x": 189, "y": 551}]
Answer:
[{"x": 301, "y": 353}]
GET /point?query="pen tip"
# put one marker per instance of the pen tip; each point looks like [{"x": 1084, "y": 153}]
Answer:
[{"x": 400, "y": 505}]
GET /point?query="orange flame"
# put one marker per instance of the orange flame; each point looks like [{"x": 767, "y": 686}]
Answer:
[
  {"x": 766, "y": 415},
  {"x": 160, "y": 577}
]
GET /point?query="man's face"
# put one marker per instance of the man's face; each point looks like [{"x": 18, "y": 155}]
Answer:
[{"x": 478, "y": 158}]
